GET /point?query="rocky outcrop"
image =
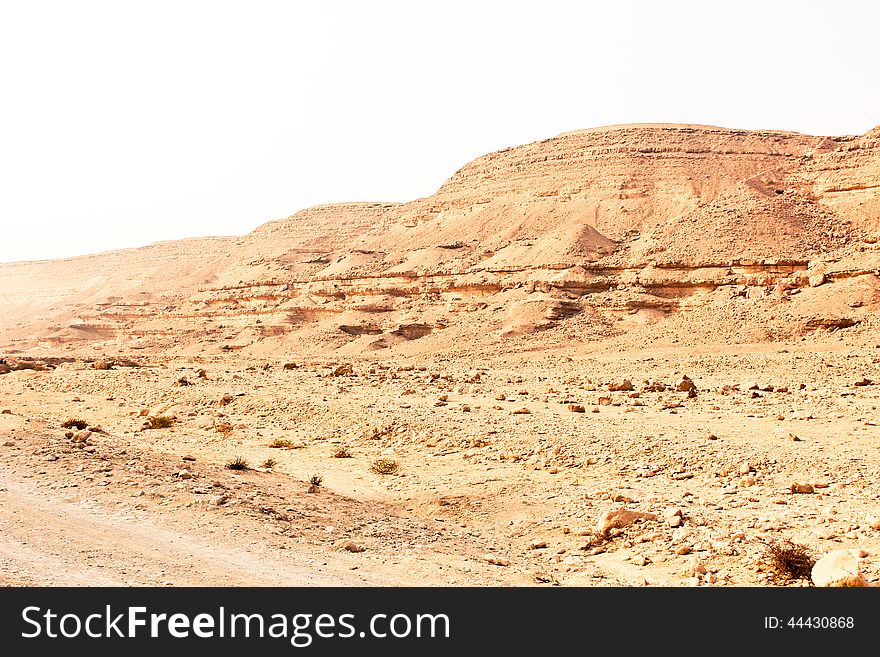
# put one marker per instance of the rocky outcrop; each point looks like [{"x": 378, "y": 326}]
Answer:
[{"x": 609, "y": 229}]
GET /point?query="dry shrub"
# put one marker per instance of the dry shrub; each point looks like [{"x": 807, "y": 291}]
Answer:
[
  {"x": 284, "y": 443},
  {"x": 238, "y": 464},
  {"x": 268, "y": 464},
  {"x": 223, "y": 427},
  {"x": 160, "y": 422},
  {"x": 375, "y": 433},
  {"x": 342, "y": 452},
  {"x": 385, "y": 466},
  {"x": 789, "y": 561}
]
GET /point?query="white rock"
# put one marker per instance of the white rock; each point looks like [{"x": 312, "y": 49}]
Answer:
[
  {"x": 620, "y": 518},
  {"x": 817, "y": 279},
  {"x": 837, "y": 568},
  {"x": 495, "y": 560}
]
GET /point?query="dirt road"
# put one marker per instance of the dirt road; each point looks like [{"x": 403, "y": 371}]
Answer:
[{"x": 47, "y": 539}]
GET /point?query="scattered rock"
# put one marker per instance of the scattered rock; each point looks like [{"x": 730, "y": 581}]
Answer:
[
  {"x": 816, "y": 279},
  {"x": 624, "y": 386},
  {"x": 218, "y": 500},
  {"x": 343, "y": 370},
  {"x": 685, "y": 384},
  {"x": 838, "y": 568},
  {"x": 82, "y": 436},
  {"x": 351, "y": 546},
  {"x": 184, "y": 474},
  {"x": 101, "y": 365},
  {"x": 538, "y": 545},
  {"x": 522, "y": 411},
  {"x": 802, "y": 488},
  {"x": 576, "y": 408}
]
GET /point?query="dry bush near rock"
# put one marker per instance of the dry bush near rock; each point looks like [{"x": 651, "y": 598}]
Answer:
[{"x": 789, "y": 561}]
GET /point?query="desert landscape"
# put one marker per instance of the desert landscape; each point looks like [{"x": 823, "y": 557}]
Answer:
[{"x": 637, "y": 355}]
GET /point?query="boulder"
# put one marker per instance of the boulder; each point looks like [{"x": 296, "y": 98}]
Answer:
[{"x": 838, "y": 568}]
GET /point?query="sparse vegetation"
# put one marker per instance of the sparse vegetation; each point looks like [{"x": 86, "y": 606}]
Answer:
[
  {"x": 342, "y": 452},
  {"x": 375, "y": 433},
  {"x": 74, "y": 424},
  {"x": 385, "y": 466},
  {"x": 238, "y": 463},
  {"x": 160, "y": 422},
  {"x": 315, "y": 483},
  {"x": 270, "y": 463},
  {"x": 789, "y": 561},
  {"x": 284, "y": 443}
]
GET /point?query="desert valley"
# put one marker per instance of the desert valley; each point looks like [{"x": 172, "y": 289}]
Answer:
[{"x": 638, "y": 355}]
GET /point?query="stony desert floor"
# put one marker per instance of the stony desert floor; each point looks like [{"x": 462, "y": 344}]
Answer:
[
  {"x": 500, "y": 478},
  {"x": 624, "y": 356}
]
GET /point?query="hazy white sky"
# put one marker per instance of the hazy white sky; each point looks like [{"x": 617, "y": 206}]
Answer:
[{"x": 125, "y": 123}]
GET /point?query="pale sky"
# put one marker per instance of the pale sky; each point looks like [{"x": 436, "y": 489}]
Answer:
[{"x": 126, "y": 123}]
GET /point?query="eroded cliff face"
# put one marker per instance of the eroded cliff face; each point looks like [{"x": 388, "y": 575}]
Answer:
[{"x": 640, "y": 231}]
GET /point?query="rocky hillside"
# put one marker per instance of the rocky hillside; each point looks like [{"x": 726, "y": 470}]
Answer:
[{"x": 639, "y": 232}]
